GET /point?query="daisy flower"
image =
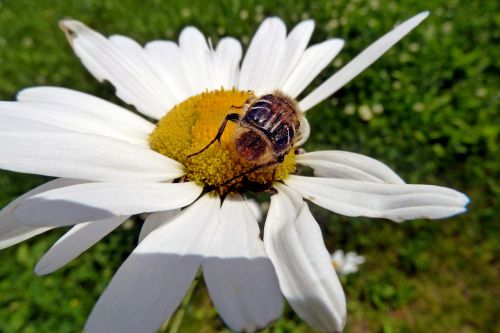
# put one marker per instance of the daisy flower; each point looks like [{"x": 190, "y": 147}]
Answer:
[
  {"x": 346, "y": 263},
  {"x": 112, "y": 163}
]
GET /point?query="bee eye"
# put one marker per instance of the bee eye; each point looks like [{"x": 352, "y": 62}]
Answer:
[
  {"x": 291, "y": 133},
  {"x": 282, "y": 141},
  {"x": 281, "y": 137}
]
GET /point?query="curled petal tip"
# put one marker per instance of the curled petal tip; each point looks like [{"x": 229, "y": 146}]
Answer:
[{"x": 68, "y": 26}]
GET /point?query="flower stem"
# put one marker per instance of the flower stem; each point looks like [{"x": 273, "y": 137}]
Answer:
[{"x": 179, "y": 315}]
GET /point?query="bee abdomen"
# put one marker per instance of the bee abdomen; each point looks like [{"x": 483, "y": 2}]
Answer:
[{"x": 251, "y": 145}]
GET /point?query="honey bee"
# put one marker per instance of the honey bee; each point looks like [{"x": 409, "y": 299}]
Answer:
[{"x": 267, "y": 130}]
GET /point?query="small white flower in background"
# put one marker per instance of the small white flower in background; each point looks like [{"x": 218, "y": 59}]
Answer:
[
  {"x": 112, "y": 164},
  {"x": 346, "y": 263}
]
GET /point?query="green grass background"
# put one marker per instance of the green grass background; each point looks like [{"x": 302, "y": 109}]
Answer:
[{"x": 439, "y": 91}]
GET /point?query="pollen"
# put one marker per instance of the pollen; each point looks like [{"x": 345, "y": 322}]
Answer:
[{"x": 191, "y": 125}]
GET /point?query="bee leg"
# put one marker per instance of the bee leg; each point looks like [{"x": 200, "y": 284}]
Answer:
[
  {"x": 271, "y": 190},
  {"x": 300, "y": 151},
  {"x": 256, "y": 187},
  {"x": 234, "y": 117},
  {"x": 230, "y": 190},
  {"x": 278, "y": 160}
]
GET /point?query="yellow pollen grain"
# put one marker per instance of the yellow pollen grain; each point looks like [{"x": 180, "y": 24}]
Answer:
[{"x": 192, "y": 124}]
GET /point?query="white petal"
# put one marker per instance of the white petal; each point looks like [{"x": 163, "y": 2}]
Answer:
[
  {"x": 168, "y": 58},
  {"x": 227, "y": 62},
  {"x": 76, "y": 241},
  {"x": 256, "y": 209},
  {"x": 239, "y": 276},
  {"x": 352, "y": 263},
  {"x": 360, "y": 62},
  {"x": 151, "y": 283},
  {"x": 83, "y": 156},
  {"x": 304, "y": 131},
  {"x": 98, "y": 201},
  {"x": 155, "y": 220},
  {"x": 12, "y": 232},
  {"x": 348, "y": 263},
  {"x": 343, "y": 164},
  {"x": 196, "y": 60},
  {"x": 16, "y": 233},
  {"x": 263, "y": 56},
  {"x": 100, "y": 109},
  {"x": 136, "y": 82},
  {"x": 338, "y": 256},
  {"x": 307, "y": 279},
  {"x": 312, "y": 62},
  {"x": 70, "y": 118},
  {"x": 295, "y": 44},
  {"x": 12, "y": 124},
  {"x": 155, "y": 83},
  {"x": 397, "y": 202},
  {"x": 348, "y": 268},
  {"x": 354, "y": 258}
]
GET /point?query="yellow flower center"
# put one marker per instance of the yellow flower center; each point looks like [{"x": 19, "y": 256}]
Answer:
[{"x": 192, "y": 124}]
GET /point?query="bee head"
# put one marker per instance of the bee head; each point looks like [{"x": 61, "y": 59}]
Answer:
[{"x": 252, "y": 145}]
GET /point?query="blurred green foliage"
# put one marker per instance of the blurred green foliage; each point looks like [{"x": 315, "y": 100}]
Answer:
[{"x": 428, "y": 108}]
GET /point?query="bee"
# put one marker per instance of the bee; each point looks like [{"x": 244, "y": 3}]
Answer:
[{"x": 267, "y": 130}]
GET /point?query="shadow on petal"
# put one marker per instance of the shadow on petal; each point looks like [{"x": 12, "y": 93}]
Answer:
[
  {"x": 51, "y": 213},
  {"x": 245, "y": 291},
  {"x": 144, "y": 293}
]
